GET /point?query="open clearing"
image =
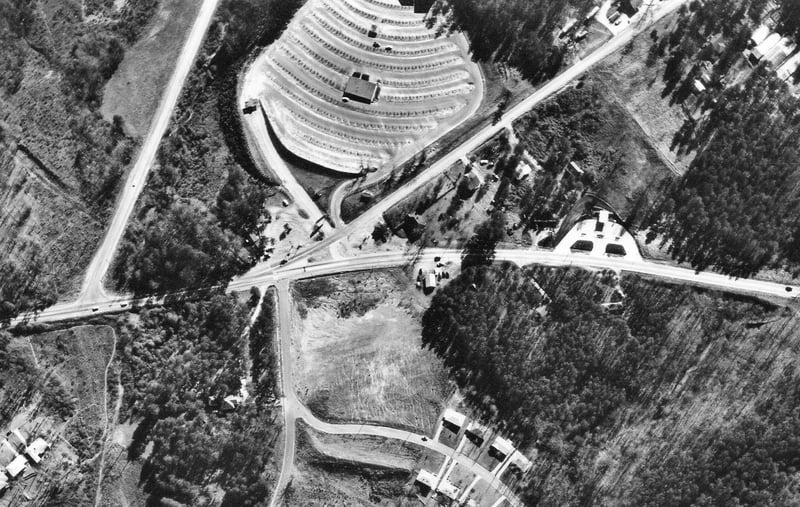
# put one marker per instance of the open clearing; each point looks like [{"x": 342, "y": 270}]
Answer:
[
  {"x": 426, "y": 85},
  {"x": 325, "y": 480},
  {"x": 135, "y": 89},
  {"x": 357, "y": 346},
  {"x": 639, "y": 89}
]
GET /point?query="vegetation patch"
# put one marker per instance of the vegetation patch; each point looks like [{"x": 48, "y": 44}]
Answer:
[
  {"x": 607, "y": 400},
  {"x": 134, "y": 91}
]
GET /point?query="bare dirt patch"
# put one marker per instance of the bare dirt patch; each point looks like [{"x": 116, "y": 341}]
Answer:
[{"x": 357, "y": 343}]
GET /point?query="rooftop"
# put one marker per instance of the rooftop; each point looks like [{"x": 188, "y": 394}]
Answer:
[
  {"x": 454, "y": 417},
  {"x": 503, "y": 446},
  {"x": 15, "y": 467},
  {"x": 361, "y": 90}
]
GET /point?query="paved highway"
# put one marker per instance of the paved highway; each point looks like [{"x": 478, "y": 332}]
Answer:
[
  {"x": 655, "y": 12},
  {"x": 92, "y": 288},
  {"x": 296, "y": 271}
]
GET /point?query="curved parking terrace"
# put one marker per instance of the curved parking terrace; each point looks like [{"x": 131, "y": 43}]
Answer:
[{"x": 417, "y": 86}]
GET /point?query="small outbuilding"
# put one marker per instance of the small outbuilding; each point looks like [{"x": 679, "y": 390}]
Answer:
[
  {"x": 520, "y": 462},
  {"x": 17, "y": 466},
  {"x": 361, "y": 89},
  {"x": 448, "y": 489},
  {"x": 522, "y": 171},
  {"x": 453, "y": 420},
  {"x": 501, "y": 448},
  {"x": 430, "y": 281},
  {"x": 427, "y": 479},
  {"x": 36, "y": 450}
]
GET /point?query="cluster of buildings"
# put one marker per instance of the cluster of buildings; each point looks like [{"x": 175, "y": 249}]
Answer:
[
  {"x": 779, "y": 51},
  {"x": 501, "y": 450},
  {"x": 16, "y": 455}
]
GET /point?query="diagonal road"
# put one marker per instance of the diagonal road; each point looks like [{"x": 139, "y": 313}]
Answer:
[
  {"x": 92, "y": 288},
  {"x": 655, "y": 12}
]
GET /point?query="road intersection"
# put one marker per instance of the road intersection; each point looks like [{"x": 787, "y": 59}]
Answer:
[{"x": 95, "y": 300}]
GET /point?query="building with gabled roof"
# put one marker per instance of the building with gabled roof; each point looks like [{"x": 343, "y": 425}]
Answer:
[
  {"x": 501, "y": 448},
  {"x": 453, "y": 420},
  {"x": 789, "y": 67},
  {"x": 448, "y": 489},
  {"x": 759, "y": 35},
  {"x": 36, "y": 450},
  {"x": 426, "y": 478},
  {"x": 16, "y": 466},
  {"x": 521, "y": 462},
  {"x": 476, "y": 433}
]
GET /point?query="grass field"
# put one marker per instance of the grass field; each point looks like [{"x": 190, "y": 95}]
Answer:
[
  {"x": 639, "y": 89},
  {"x": 135, "y": 89},
  {"x": 358, "y": 351}
]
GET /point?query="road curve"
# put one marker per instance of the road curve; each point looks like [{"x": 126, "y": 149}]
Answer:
[
  {"x": 293, "y": 409},
  {"x": 92, "y": 288}
]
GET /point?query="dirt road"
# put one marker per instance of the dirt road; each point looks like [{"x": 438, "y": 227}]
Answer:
[{"x": 92, "y": 288}]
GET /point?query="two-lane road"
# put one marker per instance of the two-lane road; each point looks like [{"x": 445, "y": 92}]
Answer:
[
  {"x": 297, "y": 271},
  {"x": 92, "y": 288}
]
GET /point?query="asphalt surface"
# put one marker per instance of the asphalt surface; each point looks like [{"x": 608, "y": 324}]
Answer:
[{"x": 92, "y": 288}]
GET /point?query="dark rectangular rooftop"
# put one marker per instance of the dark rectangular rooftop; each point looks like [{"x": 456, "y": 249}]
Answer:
[{"x": 361, "y": 90}]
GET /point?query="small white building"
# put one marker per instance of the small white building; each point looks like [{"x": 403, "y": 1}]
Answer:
[
  {"x": 502, "y": 448},
  {"x": 16, "y": 467},
  {"x": 36, "y": 450},
  {"x": 427, "y": 478},
  {"x": 454, "y": 419},
  {"x": 430, "y": 281},
  {"x": 759, "y": 35},
  {"x": 519, "y": 461},
  {"x": 522, "y": 171},
  {"x": 447, "y": 489}
]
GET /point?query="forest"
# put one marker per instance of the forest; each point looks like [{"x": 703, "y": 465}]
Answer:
[
  {"x": 735, "y": 210},
  {"x": 177, "y": 364},
  {"x": 517, "y": 32},
  {"x": 53, "y": 67},
  {"x": 202, "y": 211},
  {"x": 643, "y": 407}
]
